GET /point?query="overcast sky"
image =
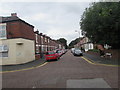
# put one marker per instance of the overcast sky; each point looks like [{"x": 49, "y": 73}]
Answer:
[{"x": 55, "y": 19}]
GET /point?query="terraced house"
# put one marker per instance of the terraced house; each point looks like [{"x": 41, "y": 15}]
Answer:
[
  {"x": 44, "y": 43},
  {"x": 19, "y": 43},
  {"x": 85, "y": 44},
  {"x": 16, "y": 41}
]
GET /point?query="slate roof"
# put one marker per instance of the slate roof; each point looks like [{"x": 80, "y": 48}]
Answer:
[{"x": 12, "y": 18}]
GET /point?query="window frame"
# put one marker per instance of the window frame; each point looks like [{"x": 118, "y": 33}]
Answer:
[
  {"x": 3, "y": 30},
  {"x": 3, "y": 49}
]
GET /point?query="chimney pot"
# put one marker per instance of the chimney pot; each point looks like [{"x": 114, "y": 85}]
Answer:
[{"x": 13, "y": 14}]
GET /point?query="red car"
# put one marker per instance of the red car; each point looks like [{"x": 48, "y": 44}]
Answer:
[
  {"x": 51, "y": 55},
  {"x": 60, "y": 53}
]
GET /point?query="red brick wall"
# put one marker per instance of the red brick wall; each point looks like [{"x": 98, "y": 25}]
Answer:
[
  {"x": 38, "y": 41},
  {"x": 13, "y": 30},
  {"x": 44, "y": 43},
  {"x": 19, "y": 29},
  {"x": 27, "y": 31}
]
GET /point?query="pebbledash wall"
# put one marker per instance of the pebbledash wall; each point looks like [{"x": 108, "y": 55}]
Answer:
[
  {"x": 17, "y": 41},
  {"x": 17, "y": 51}
]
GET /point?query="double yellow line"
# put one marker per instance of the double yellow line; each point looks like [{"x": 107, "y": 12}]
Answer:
[
  {"x": 90, "y": 61},
  {"x": 26, "y": 68}
]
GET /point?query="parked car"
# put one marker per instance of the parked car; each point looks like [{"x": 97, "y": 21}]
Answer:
[
  {"x": 51, "y": 55},
  {"x": 63, "y": 51},
  {"x": 66, "y": 50},
  {"x": 72, "y": 50},
  {"x": 59, "y": 52},
  {"x": 77, "y": 52}
]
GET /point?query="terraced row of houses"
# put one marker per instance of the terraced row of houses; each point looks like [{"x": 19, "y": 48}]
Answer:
[
  {"x": 19, "y": 43},
  {"x": 85, "y": 44}
]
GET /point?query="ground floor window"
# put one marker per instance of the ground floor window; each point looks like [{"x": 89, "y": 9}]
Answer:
[
  {"x": 3, "y": 54},
  {"x": 3, "y": 51}
]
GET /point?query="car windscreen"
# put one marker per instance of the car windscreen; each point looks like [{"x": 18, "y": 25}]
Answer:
[
  {"x": 77, "y": 50},
  {"x": 48, "y": 53},
  {"x": 59, "y": 51}
]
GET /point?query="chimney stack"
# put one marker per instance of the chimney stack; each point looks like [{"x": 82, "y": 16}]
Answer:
[
  {"x": 13, "y": 14},
  {"x": 37, "y": 32},
  {"x": 40, "y": 33}
]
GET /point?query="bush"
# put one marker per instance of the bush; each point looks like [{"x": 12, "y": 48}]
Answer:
[{"x": 94, "y": 50}]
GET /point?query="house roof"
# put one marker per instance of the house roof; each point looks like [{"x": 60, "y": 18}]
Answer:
[{"x": 11, "y": 19}]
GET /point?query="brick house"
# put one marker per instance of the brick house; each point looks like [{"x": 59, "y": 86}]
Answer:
[
  {"x": 45, "y": 43},
  {"x": 37, "y": 45},
  {"x": 20, "y": 44},
  {"x": 48, "y": 43},
  {"x": 17, "y": 41},
  {"x": 17, "y": 28},
  {"x": 85, "y": 43},
  {"x": 42, "y": 43},
  {"x": 53, "y": 44}
]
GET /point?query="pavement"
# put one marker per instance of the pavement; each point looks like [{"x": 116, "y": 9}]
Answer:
[
  {"x": 102, "y": 60},
  {"x": 34, "y": 63}
]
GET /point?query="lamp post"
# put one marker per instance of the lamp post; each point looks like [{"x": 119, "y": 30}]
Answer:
[
  {"x": 79, "y": 37},
  {"x": 78, "y": 32}
]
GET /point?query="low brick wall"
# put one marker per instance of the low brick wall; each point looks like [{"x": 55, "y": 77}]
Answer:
[{"x": 115, "y": 53}]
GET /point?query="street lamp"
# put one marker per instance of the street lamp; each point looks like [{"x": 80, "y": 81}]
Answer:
[
  {"x": 79, "y": 36},
  {"x": 78, "y": 32}
]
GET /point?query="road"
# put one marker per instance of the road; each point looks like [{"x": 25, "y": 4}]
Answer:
[{"x": 57, "y": 74}]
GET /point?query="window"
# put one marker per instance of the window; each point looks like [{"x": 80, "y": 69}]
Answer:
[
  {"x": 45, "y": 39},
  {"x": 3, "y": 48},
  {"x": 2, "y": 31},
  {"x": 3, "y": 54},
  {"x": 42, "y": 48},
  {"x": 36, "y": 38},
  {"x": 3, "y": 51},
  {"x": 37, "y": 49},
  {"x": 41, "y": 39},
  {"x": 48, "y": 40}
]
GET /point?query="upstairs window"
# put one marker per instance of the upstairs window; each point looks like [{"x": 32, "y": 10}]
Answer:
[
  {"x": 45, "y": 39},
  {"x": 48, "y": 40},
  {"x": 36, "y": 38},
  {"x": 3, "y": 31},
  {"x": 41, "y": 39}
]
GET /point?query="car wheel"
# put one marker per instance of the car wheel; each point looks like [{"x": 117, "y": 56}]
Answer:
[{"x": 57, "y": 59}]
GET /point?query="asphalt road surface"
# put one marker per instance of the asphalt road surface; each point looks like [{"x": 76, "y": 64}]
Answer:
[{"x": 68, "y": 72}]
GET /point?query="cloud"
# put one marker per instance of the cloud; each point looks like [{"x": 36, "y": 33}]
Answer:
[
  {"x": 56, "y": 19},
  {"x": 50, "y": 0},
  {"x": 39, "y": 16}
]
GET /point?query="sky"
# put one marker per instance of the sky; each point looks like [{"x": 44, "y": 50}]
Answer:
[{"x": 55, "y": 19}]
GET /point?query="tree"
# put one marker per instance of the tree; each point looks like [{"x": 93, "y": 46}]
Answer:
[
  {"x": 63, "y": 41},
  {"x": 100, "y": 23}
]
